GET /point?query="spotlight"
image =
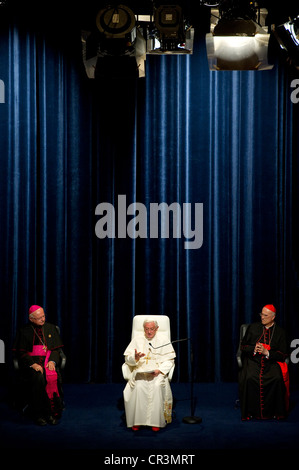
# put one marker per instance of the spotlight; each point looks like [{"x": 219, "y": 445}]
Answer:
[
  {"x": 118, "y": 28},
  {"x": 169, "y": 33},
  {"x": 237, "y": 42},
  {"x": 114, "y": 49},
  {"x": 287, "y": 35}
]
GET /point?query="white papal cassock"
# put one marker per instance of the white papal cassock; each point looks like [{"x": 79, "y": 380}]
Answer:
[{"x": 148, "y": 399}]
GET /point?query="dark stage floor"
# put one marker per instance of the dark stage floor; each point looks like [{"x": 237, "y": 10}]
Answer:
[{"x": 93, "y": 420}]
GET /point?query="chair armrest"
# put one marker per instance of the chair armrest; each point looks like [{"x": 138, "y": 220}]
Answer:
[
  {"x": 126, "y": 371},
  {"x": 239, "y": 361},
  {"x": 170, "y": 373},
  {"x": 16, "y": 363},
  {"x": 62, "y": 359},
  {"x": 239, "y": 358}
]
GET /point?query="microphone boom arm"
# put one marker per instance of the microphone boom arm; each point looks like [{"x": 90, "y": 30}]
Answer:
[{"x": 175, "y": 341}]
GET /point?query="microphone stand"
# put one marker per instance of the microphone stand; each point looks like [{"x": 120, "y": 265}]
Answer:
[
  {"x": 192, "y": 419},
  {"x": 187, "y": 419}
]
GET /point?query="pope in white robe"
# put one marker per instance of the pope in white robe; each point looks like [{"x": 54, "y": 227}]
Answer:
[{"x": 147, "y": 395}]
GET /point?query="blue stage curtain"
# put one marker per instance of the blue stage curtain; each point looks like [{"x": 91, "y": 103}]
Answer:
[{"x": 183, "y": 134}]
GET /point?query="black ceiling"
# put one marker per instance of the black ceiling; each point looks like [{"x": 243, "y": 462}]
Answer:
[{"x": 83, "y": 12}]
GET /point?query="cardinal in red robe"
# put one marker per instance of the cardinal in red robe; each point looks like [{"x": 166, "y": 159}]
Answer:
[{"x": 264, "y": 378}]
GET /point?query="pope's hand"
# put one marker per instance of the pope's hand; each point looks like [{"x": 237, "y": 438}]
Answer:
[{"x": 138, "y": 355}]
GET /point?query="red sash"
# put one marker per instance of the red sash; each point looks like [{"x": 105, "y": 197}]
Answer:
[
  {"x": 51, "y": 375},
  {"x": 285, "y": 374}
]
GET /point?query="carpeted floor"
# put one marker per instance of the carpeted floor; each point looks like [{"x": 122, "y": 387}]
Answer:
[{"x": 93, "y": 420}]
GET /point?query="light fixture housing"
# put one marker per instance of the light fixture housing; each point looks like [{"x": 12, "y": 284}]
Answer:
[
  {"x": 114, "y": 48},
  {"x": 169, "y": 33},
  {"x": 287, "y": 35},
  {"x": 237, "y": 44}
]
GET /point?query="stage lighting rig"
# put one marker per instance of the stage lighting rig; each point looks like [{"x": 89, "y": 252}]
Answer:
[{"x": 237, "y": 40}]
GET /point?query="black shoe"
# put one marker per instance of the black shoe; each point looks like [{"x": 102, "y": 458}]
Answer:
[
  {"x": 41, "y": 422},
  {"x": 52, "y": 420}
]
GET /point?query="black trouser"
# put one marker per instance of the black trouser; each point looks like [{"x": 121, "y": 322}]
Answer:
[{"x": 38, "y": 399}]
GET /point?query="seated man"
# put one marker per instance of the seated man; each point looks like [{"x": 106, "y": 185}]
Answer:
[
  {"x": 37, "y": 348},
  {"x": 263, "y": 379},
  {"x": 147, "y": 395}
]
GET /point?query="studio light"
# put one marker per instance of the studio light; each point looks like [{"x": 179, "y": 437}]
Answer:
[
  {"x": 117, "y": 45},
  {"x": 114, "y": 48},
  {"x": 169, "y": 33},
  {"x": 287, "y": 35},
  {"x": 236, "y": 41}
]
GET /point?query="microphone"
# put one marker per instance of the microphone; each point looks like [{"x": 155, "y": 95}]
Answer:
[{"x": 175, "y": 341}]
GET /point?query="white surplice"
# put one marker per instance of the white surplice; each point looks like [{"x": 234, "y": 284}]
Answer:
[{"x": 148, "y": 399}]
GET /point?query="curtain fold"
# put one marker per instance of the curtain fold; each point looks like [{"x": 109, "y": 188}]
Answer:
[{"x": 184, "y": 135}]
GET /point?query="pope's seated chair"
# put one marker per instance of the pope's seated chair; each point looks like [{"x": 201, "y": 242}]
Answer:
[{"x": 137, "y": 329}]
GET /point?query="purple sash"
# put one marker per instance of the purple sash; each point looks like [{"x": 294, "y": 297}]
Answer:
[{"x": 51, "y": 375}]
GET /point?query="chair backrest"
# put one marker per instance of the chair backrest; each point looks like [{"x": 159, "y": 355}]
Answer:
[
  {"x": 163, "y": 322},
  {"x": 243, "y": 329}
]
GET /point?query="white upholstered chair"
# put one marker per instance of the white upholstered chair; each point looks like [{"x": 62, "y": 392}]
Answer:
[{"x": 137, "y": 329}]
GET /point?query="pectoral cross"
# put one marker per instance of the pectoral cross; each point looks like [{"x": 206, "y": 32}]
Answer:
[{"x": 147, "y": 358}]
